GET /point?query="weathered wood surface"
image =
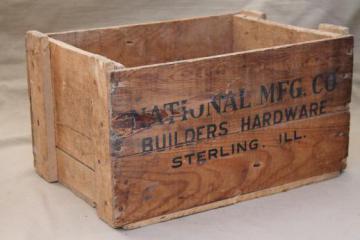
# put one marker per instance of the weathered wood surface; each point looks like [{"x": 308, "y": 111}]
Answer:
[
  {"x": 246, "y": 71},
  {"x": 82, "y": 122},
  {"x": 74, "y": 88},
  {"x": 76, "y": 176},
  {"x": 136, "y": 45},
  {"x": 104, "y": 165},
  {"x": 42, "y": 104},
  {"x": 150, "y": 182},
  {"x": 253, "y": 32},
  {"x": 233, "y": 200},
  {"x": 334, "y": 28}
]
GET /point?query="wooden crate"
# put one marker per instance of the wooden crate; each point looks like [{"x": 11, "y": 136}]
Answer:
[{"x": 155, "y": 121}]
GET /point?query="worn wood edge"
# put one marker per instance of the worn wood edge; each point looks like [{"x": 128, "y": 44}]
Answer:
[
  {"x": 252, "y": 14},
  {"x": 344, "y": 161},
  {"x": 72, "y": 169},
  {"x": 245, "y": 13},
  {"x": 101, "y": 70},
  {"x": 85, "y": 53},
  {"x": 37, "y": 43},
  {"x": 54, "y": 34},
  {"x": 231, "y": 201},
  {"x": 91, "y": 61},
  {"x": 341, "y": 109},
  {"x": 286, "y": 26},
  {"x": 194, "y": 60},
  {"x": 334, "y": 28},
  {"x": 104, "y": 182}
]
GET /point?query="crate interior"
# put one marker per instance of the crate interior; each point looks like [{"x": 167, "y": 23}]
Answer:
[{"x": 153, "y": 43}]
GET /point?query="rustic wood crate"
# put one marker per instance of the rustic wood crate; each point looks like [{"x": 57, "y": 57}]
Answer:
[{"x": 154, "y": 121}]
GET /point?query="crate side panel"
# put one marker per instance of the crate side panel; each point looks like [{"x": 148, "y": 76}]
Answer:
[
  {"x": 75, "y": 88},
  {"x": 197, "y": 132},
  {"x": 144, "y": 44},
  {"x": 104, "y": 165},
  {"x": 83, "y": 114},
  {"x": 250, "y": 33}
]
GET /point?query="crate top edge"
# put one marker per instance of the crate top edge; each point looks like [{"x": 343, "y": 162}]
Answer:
[
  {"x": 328, "y": 34},
  {"x": 323, "y": 32},
  {"x": 199, "y": 59},
  {"x": 151, "y": 22}
]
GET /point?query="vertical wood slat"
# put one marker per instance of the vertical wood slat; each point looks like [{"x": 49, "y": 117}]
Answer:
[
  {"x": 42, "y": 105},
  {"x": 103, "y": 166}
]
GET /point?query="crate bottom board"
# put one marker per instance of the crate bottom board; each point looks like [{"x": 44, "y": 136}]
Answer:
[
  {"x": 218, "y": 204},
  {"x": 233, "y": 200}
]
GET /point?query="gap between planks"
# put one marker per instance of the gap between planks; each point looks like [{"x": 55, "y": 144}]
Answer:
[{"x": 74, "y": 158}]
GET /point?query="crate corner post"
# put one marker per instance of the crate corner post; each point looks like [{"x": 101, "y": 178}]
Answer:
[
  {"x": 42, "y": 104},
  {"x": 104, "y": 186}
]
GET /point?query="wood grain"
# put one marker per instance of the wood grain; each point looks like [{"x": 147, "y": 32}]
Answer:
[
  {"x": 147, "y": 186},
  {"x": 165, "y": 41},
  {"x": 227, "y": 73},
  {"x": 74, "y": 85},
  {"x": 76, "y": 176},
  {"x": 251, "y": 33},
  {"x": 142, "y": 44},
  {"x": 42, "y": 105}
]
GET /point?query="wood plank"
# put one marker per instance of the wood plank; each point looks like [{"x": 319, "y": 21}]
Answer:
[
  {"x": 104, "y": 166},
  {"x": 252, "y": 33},
  {"x": 79, "y": 144},
  {"x": 233, "y": 200},
  {"x": 76, "y": 176},
  {"x": 150, "y": 43},
  {"x": 148, "y": 185},
  {"x": 174, "y": 178},
  {"x": 74, "y": 89},
  {"x": 42, "y": 105},
  {"x": 81, "y": 82},
  {"x": 158, "y": 42},
  {"x": 229, "y": 72}
]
